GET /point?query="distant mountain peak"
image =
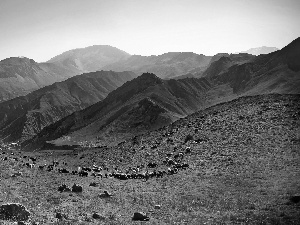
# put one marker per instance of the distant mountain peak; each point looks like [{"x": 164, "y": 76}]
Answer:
[
  {"x": 91, "y": 58},
  {"x": 260, "y": 50},
  {"x": 149, "y": 77},
  {"x": 17, "y": 60}
]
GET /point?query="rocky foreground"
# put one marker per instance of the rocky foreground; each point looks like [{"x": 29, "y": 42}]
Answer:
[{"x": 242, "y": 167}]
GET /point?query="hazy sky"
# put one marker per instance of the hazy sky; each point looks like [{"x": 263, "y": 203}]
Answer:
[{"x": 41, "y": 29}]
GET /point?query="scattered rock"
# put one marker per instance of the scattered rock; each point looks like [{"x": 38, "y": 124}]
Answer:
[
  {"x": 140, "y": 216},
  {"x": 76, "y": 188},
  {"x": 14, "y": 212}
]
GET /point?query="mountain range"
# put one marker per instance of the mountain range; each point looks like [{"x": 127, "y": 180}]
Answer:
[
  {"x": 167, "y": 65},
  {"x": 145, "y": 103},
  {"x": 20, "y": 75},
  {"x": 25, "y": 116}
]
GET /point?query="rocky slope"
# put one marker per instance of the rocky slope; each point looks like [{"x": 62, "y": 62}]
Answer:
[
  {"x": 277, "y": 72},
  {"x": 220, "y": 63},
  {"x": 167, "y": 65},
  {"x": 243, "y": 168},
  {"x": 25, "y": 116},
  {"x": 20, "y": 76},
  {"x": 142, "y": 104},
  {"x": 89, "y": 59}
]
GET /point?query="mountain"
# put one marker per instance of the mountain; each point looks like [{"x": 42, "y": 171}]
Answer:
[
  {"x": 167, "y": 65},
  {"x": 89, "y": 59},
  {"x": 216, "y": 65},
  {"x": 277, "y": 72},
  {"x": 145, "y": 103},
  {"x": 25, "y": 116},
  {"x": 221, "y": 62},
  {"x": 260, "y": 50},
  {"x": 20, "y": 76}
]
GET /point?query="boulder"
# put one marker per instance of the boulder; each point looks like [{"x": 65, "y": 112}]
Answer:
[
  {"x": 14, "y": 212},
  {"x": 157, "y": 207},
  {"x": 60, "y": 216},
  {"x": 98, "y": 217},
  {"x": 76, "y": 188},
  {"x": 295, "y": 199},
  {"x": 105, "y": 194},
  {"x": 140, "y": 216},
  {"x": 16, "y": 174},
  {"x": 93, "y": 184},
  {"x": 63, "y": 188}
]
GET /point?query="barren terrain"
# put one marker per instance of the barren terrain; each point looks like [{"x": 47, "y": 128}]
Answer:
[{"x": 243, "y": 168}]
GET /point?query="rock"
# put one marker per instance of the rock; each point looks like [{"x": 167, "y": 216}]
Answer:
[
  {"x": 16, "y": 174},
  {"x": 105, "y": 194},
  {"x": 98, "y": 217},
  {"x": 140, "y": 216},
  {"x": 63, "y": 188},
  {"x": 14, "y": 212},
  {"x": 76, "y": 188},
  {"x": 60, "y": 216},
  {"x": 157, "y": 207},
  {"x": 93, "y": 184},
  {"x": 295, "y": 199}
]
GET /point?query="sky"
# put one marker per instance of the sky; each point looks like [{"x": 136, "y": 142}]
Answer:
[{"x": 42, "y": 29}]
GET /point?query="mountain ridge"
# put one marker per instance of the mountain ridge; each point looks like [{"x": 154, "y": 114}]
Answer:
[
  {"x": 136, "y": 108},
  {"x": 167, "y": 65},
  {"x": 25, "y": 116}
]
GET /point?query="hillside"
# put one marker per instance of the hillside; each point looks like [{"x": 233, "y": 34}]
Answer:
[
  {"x": 220, "y": 63},
  {"x": 145, "y": 103},
  {"x": 277, "y": 72},
  {"x": 90, "y": 59},
  {"x": 23, "y": 117},
  {"x": 149, "y": 102},
  {"x": 242, "y": 162},
  {"x": 20, "y": 76},
  {"x": 167, "y": 65}
]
